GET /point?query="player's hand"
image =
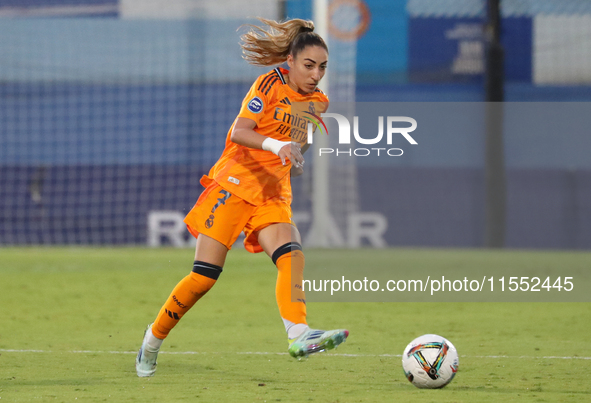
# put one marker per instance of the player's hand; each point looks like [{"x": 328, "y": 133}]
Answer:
[
  {"x": 292, "y": 152},
  {"x": 294, "y": 172}
]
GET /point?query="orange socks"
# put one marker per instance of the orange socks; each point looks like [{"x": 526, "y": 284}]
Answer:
[
  {"x": 291, "y": 299},
  {"x": 186, "y": 293}
]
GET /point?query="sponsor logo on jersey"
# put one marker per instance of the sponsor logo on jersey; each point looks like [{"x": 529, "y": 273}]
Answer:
[{"x": 255, "y": 105}]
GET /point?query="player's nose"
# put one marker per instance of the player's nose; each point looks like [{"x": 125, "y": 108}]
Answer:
[{"x": 316, "y": 75}]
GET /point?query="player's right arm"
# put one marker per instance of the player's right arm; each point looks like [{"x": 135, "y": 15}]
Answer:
[{"x": 244, "y": 134}]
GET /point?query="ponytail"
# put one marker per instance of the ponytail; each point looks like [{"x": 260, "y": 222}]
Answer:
[{"x": 271, "y": 46}]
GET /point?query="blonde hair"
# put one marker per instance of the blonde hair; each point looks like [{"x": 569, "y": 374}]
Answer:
[{"x": 271, "y": 46}]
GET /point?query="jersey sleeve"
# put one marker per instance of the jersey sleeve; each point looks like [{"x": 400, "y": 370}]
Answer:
[{"x": 255, "y": 102}]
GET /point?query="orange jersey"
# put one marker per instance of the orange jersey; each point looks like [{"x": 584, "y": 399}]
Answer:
[{"x": 257, "y": 175}]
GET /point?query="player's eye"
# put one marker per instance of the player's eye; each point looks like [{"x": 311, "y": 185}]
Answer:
[{"x": 309, "y": 66}]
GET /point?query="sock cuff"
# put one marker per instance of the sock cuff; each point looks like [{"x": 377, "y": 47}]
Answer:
[
  {"x": 284, "y": 249},
  {"x": 208, "y": 270}
]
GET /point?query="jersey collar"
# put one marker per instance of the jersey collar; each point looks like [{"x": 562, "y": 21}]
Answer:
[{"x": 283, "y": 73}]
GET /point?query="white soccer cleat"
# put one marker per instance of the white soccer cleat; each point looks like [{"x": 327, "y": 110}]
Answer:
[
  {"x": 316, "y": 341},
  {"x": 145, "y": 361}
]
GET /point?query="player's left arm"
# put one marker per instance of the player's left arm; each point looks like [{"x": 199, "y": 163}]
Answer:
[{"x": 244, "y": 134}]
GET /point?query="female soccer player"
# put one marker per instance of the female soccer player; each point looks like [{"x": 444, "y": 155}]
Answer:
[{"x": 249, "y": 190}]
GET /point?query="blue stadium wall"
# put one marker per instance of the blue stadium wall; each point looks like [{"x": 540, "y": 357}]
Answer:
[{"x": 94, "y": 179}]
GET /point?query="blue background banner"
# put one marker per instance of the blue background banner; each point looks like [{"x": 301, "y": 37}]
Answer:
[{"x": 453, "y": 49}]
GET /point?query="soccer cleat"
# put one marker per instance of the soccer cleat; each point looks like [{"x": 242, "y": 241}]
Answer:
[
  {"x": 316, "y": 341},
  {"x": 145, "y": 361}
]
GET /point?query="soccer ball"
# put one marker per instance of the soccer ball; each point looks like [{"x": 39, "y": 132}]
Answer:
[{"x": 430, "y": 361}]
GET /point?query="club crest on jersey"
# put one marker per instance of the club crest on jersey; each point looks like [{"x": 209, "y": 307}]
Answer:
[
  {"x": 255, "y": 105},
  {"x": 209, "y": 221}
]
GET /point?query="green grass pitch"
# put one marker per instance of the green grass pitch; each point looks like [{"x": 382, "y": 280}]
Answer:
[{"x": 72, "y": 320}]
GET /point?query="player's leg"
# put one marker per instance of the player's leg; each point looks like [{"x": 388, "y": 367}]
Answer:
[
  {"x": 282, "y": 242},
  {"x": 210, "y": 256},
  {"x": 216, "y": 220}
]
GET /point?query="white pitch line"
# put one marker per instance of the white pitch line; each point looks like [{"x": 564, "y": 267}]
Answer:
[{"x": 552, "y": 357}]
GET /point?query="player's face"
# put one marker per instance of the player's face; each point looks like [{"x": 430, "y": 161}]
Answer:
[{"x": 307, "y": 69}]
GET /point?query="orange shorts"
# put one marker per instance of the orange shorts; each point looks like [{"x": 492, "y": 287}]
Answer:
[{"x": 223, "y": 216}]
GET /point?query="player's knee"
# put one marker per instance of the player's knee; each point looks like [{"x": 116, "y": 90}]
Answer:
[
  {"x": 285, "y": 249},
  {"x": 208, "y": 270}
]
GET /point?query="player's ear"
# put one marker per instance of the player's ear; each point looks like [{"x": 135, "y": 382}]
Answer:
[{"x": 290, "y": 61}]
